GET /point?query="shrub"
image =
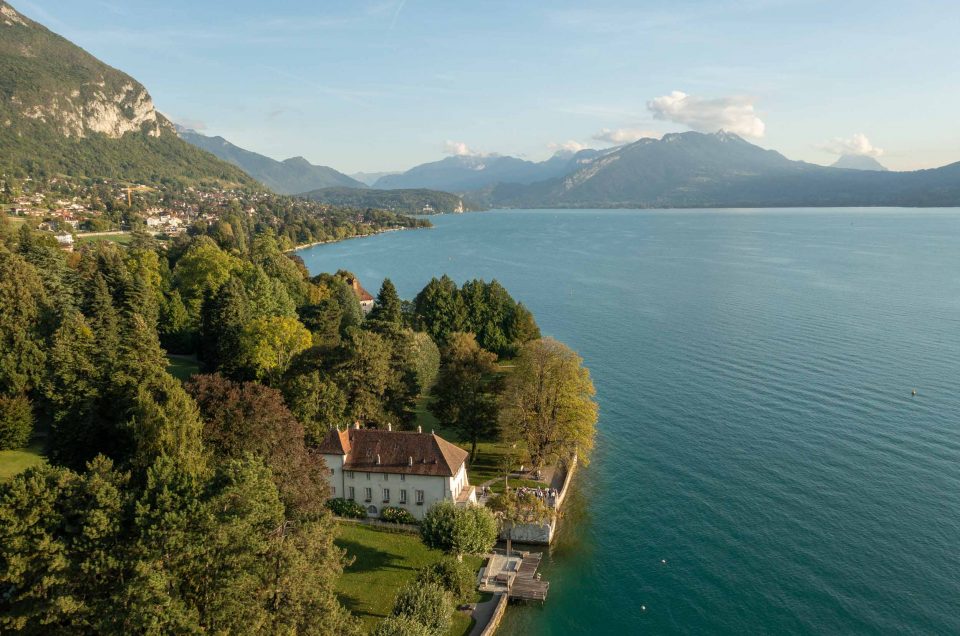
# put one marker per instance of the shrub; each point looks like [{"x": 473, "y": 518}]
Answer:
[
  {"x": 430, "y": 605},
  {"x": 347, "y": 508},
  {"x": 400, "y": 626},
  {"x": 392, "y": 514},
  {"x": 16, "y": 422},
  {"x": 467, "y": 530},
  {"x": 454, "y": 576}
]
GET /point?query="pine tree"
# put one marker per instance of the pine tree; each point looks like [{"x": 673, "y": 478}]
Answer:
[{"x": 387, "y": 308}]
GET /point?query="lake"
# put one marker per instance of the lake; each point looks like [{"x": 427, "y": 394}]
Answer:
[{"x": 757, "y": 431}]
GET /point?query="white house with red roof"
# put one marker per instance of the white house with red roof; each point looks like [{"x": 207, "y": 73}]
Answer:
[{"x": 403, "y": 469}]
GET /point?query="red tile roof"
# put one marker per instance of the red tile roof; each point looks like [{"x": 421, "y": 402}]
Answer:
[
  {"x": 430, "y": 454},
  {"x": 362, "y": 294}
]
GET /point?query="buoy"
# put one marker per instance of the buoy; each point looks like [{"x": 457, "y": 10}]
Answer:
[
  {"x": 914, "y": 392},
  {"x": 643, "y": 608},
  {"x": 664, "y": 561}
]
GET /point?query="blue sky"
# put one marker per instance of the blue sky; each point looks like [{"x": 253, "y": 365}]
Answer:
[{"x": 385, "y": 85}]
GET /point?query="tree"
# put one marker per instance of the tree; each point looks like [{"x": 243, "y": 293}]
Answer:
[
  {"x": 426, "y": 360},
  {"x": 400, "y": 626},
  {"x": 316, "y": 401},
  {"x": 23, "y": 307},
  {"x": 464, "y": 396},
  {"x": 459, "y": 530},
  {"x": 72, "y": 390},
  {"x": 387, "y": 308},
  {"x": 201, "y": 270},
  {"x": 61, "y": 548},
  {"x": 223, "y": 318},
  {"x": 16, "y": 421},
  {"x": 428, "y": 604},
  {"x": 454, "y": 576},
  {"x": 439, "y": 310},
  {"x": 247, "y": 418},
  {"x": 364, "y": 373},
  {"x": 548, "y": 403},
  {"x": 268, "y": 345}
]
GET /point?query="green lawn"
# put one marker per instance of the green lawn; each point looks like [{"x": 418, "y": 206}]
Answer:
[
  {"x": 383, "y": 563},
  {"x": 497, "y": 486},
  {"x": 14, "y": 462},
  {"x": 182, "y": 367},
  {"x": 123, "y": 239}
]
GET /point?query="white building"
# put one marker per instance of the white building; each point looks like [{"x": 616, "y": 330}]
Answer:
[
  {"x": 365, "y": 298},
  {"x": 409, "y": 470}
]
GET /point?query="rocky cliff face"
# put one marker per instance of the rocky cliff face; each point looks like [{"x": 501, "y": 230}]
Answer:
[
  {"x": 92, "y": 109},
  {"x": 46, "y": 79}
]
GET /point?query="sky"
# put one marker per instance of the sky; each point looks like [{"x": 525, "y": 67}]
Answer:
[{"x": 384, "y": 85}]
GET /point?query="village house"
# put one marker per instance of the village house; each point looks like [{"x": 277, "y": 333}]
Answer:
[
  {"x": 403, "y": 469},
  {"x": 365, "y": 298}
]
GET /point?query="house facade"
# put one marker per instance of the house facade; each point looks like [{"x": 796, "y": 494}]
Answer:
[{"x": 402, "y": 469}]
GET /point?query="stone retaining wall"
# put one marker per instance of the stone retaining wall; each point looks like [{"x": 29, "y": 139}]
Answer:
[{"x": 494, "y": 623}]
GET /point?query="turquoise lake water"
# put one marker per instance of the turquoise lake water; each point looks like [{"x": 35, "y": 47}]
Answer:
[{"x": 754, "y": 372}]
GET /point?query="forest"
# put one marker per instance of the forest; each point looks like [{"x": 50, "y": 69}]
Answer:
[{"x": 166, "y": 506}]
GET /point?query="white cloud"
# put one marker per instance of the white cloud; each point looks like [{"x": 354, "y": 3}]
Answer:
[
  {"x": 856, "y": 145},
  {"x": 618, "y": 136},
  {"x": 569, "y": 146},
  {"x": 459, "y": 149},
  {"x": 733, "y": 114}
]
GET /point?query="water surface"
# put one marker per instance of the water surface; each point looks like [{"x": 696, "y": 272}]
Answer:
[{"x": 754, "y": 372}]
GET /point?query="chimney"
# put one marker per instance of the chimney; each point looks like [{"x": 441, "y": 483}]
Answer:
[
  {"x": 389, "y": 426},
  {"x": 410, "y": 461},
  {"x": 419, "y": 429},
  {"x": 378, "y": 459},
  {"x": 356, "y": 425}
]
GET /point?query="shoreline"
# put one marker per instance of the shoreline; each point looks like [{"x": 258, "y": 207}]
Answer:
[{"x": 304, "y": 246}]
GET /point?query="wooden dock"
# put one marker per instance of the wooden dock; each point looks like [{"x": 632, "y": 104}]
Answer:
[{"x": 525, "y": 585}]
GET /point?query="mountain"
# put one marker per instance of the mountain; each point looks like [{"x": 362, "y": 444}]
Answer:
[
  {"x": 858, "y": 162},
  {"x": 413, "y": 201},
  {"x": 474, "y": 172},
  {"x": 63, "y": 111},
  {"x": 722, "y": 170},
  {"x": 369, "y": 178},
  {"x": 285, "y": 177}
]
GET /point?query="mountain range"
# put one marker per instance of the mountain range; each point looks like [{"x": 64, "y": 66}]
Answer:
[
  {"x": 462, "y": 173},
  {"x": 721, "y": 169},
  {"x": 63, "y": 111},
  {"x": 290, "y": 176}
]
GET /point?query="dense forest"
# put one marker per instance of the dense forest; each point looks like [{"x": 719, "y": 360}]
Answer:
[
  {"x": 198, "y": 506},
  {"x": 404, "y": 201}
]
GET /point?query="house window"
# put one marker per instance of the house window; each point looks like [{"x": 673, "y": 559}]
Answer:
[
  {"x": 403, "y": 478},
  {"x": 351, "y": 493},
  {"x": 386, "y": 477},
  {"x": 386, "y": 495},
  {"x": 368, "y": 476},
  {"x": 350, "y": 474},
  {"x": 403, "y": 496},
  {"x": 333, "y": 491},
  {"x": 419, "y": 497},
  {"x": 368, "y": 493}
]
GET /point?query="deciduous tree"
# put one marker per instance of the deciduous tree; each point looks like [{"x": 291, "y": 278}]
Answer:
[{"x": 548, "y": 402}]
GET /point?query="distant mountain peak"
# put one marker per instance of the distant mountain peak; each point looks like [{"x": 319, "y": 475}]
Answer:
[{"x": 858, "y": 162}]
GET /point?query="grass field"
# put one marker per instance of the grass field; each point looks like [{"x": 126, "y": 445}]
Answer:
[
  {"x": 14, "y": 462},
  {"x": 383, "y": 563},
  {"x": 123, "y": 239},
  {"x": 182, "y": 367}
]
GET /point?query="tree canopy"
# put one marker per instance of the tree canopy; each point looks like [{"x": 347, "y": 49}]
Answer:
[{"x": 548, "y": 402}]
